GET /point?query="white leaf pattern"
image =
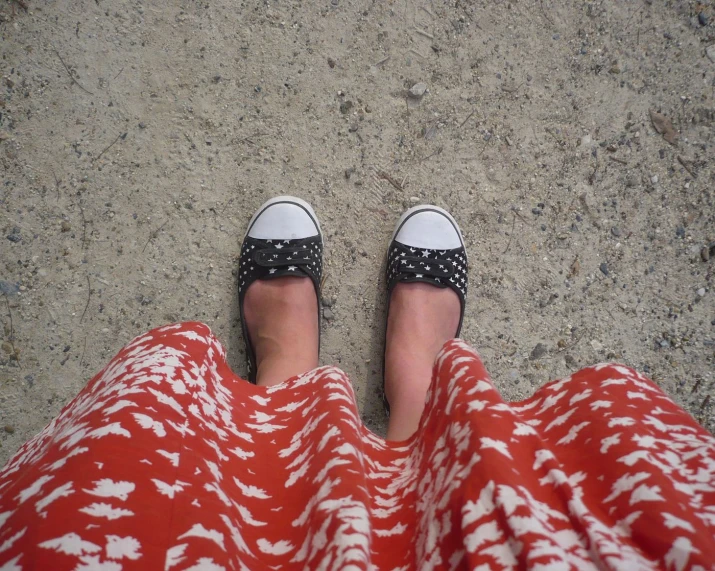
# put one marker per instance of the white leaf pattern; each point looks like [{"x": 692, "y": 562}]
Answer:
[
  {"x": 107, "y": 488},
  {"x": 8, "y": 543},
  {"x": 150, "y": 424},
  {"x": 71, "y": 544},
  {"x": 175, "y": 555},
  {"x": 33, "y": 489},
  {"x": 60, "y": 492},
  {"x": 169, "y": 490},
  {"x": 123, "y": 547},
  {"x": 198, "y": 530},
  {"x": 106, "y": 510}
]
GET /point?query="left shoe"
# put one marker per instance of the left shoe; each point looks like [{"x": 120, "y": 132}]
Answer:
[
  {"x": 427, "y": 246},
  {"x": 283, "y": 239}
]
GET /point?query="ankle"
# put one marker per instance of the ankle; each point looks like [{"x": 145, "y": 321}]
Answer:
[
  {"x": 282, "y": 320},
  {"x": 281, "y": 357}
]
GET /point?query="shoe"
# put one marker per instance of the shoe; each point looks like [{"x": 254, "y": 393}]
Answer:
[
  {"x": 283, "y": 239},
  {"x": 427, "y": 246}
]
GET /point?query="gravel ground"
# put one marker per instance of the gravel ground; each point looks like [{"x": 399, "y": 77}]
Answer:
[{"x": 137, "y": 138}]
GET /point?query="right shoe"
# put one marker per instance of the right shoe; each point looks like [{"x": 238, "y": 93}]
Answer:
[
  {"x": 426, "y": 246},
  {"x": 283, "y": 239}
]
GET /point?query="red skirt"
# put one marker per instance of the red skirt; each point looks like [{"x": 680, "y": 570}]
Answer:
[{"x": 168, "y": 460}]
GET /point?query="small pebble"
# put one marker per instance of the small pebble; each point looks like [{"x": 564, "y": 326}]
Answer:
[
  {"x": 604, "y": 268},
  {"x": 703, "y": 19},
  {"x": 597, "y": 345},
  {"x": 539, "y": 351},
  {"x": 417, "y": 90},
  {"x": 654, "y": 179},
  {"x": 705, "y": 253},
  {"x": 8, "y": 288},
  {"x": 680, "y": 232},
  {"x": 414, "y": 199},
  {"x": 345, "y": 107},
  {"x": 66, "y": 226},
  {"x": 664, "y": 343},
  {"x": 616, "y": 231},
  {"x": 536, "y": 211},
  {"x": 328, "y": 314},
  {"x": 327, "y": 302},
  {"x": 14, "y": 238},
  {"x": 9, "y": 429},
  {"x": 701, "y": 292}
]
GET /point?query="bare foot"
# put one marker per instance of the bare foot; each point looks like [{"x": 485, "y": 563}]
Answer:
[
  {"x": 282, "y": 320},
  {"x": 422, "y": 318}
]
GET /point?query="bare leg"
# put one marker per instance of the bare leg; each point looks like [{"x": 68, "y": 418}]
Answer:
[
  {"x": 282, "y": 320},
  {"x": 422, "y": 318}
]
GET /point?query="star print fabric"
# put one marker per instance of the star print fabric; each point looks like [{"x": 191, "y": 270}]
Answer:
[
  {"x": 167, "y": 460},
  {"x": 443, "y": 268},
  {"x": 265, "y": 259}
]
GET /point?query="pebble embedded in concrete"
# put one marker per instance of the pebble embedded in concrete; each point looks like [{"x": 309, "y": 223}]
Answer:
[{"x": 417, "y": 90}]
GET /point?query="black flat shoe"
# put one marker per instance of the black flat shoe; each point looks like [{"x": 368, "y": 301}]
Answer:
[
  {"x": 283, "y": 239},
  {"x": 427, "y": 247}
]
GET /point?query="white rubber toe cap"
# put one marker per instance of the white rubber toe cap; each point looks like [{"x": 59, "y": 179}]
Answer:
[
  {"x": 284, "y": 218},
  {"x": 428, "y": 226}
]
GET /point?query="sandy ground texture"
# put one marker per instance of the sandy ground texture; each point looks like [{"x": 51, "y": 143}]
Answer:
[{"x": 137, "y": 138}]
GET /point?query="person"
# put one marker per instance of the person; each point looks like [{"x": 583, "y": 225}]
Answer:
[{"x": 168, "y": 460}]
